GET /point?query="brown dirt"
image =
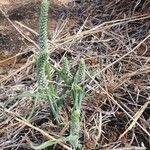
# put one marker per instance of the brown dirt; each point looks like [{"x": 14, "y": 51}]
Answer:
[
  {"x": 27, "y": 13},
  {"x": 127, "y": 81}
]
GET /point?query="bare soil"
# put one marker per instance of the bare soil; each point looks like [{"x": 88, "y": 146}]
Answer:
[{"x": 114, "y": 39}]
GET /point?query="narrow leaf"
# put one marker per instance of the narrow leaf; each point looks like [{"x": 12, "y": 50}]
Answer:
[{"x": 45, "y": 144}]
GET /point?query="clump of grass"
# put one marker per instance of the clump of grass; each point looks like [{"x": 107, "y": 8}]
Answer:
[
  {"x": 77, "y": 92},
  {"x": 51, "y": 90},
  {"x": 74, "y": 85}
]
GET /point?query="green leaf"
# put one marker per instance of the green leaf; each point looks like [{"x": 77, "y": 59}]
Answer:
[
  {"x": 46, "y": 144},
  {"x": 24, "y": 94}
]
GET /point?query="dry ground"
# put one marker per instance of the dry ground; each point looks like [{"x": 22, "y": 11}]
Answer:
[{"x": 114, "y": 39}]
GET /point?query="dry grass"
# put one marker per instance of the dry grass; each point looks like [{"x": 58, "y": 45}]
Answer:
[{"x": 114, "y": 39}]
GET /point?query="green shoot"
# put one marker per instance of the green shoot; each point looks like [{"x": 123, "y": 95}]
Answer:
[
  {"x": 43, "y": 70},
  {"x": 77, "y": 92}
]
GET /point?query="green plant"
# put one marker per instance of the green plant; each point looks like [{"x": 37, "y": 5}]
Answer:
[
  {"x": 74, "y": 85},
  {"x": 76, "y": 88},
  {"x": 78, "y": 92},
  {"x": 52, "y": 90}
]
